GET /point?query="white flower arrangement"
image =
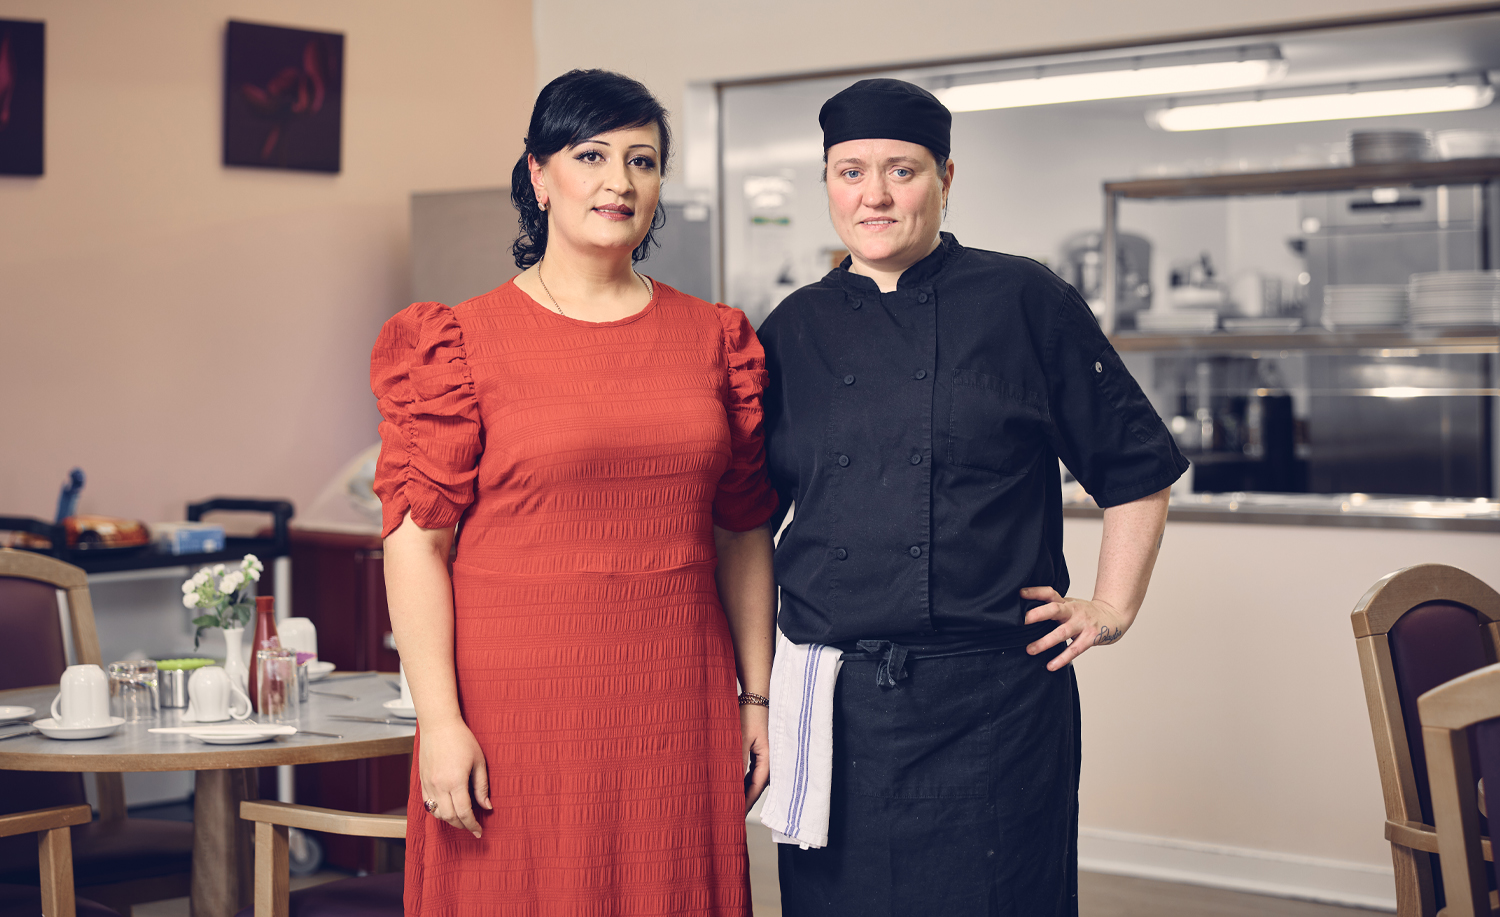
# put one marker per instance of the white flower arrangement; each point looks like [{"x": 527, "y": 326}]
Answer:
[{"x": 226, "y": 597}]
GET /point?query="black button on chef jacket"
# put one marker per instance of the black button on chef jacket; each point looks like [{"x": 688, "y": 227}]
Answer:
[{"x": 917, "y": 433}]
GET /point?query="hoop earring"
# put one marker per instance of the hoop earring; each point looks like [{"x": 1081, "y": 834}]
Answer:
[{"x": 542, "y": 206}]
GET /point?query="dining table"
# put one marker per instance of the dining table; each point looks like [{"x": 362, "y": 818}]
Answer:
[{"x": 225, "y": 775}]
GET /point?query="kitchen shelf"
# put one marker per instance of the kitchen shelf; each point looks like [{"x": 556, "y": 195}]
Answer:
[
  {"x": 276, "y": 543},
  {"x": 1295, "y": 181},
  {"x": 234, "y": 551},
  {"x": 1348, "y": 178},
  {"x": 1478, "y": 340}
]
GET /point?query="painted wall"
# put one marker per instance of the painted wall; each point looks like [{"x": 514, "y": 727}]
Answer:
[
  {"x": 180, "y": 329},
  {"x": 1233, "y": 712}
]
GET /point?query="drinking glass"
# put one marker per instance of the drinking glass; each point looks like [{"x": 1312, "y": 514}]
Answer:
[
  {"x": 133, "y": 691},
  {"x": 277, "y": 699}
]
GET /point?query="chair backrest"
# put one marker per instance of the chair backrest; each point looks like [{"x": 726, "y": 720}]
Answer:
[
  {"x": 54, "y": 850},
  {"x": 272, "y": 819},
  {"x": 29, "y": 612},
  {"x": 1461, "y": 726},
  {"x": 1432, "y": 643},
  {"x": 33, "y": 576},
  {"x": 1415, "y": 629},
  {"x": 33, "y": 652}
]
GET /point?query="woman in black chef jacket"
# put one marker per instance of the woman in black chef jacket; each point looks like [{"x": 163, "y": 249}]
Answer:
[{"x": 920, "y": 397}]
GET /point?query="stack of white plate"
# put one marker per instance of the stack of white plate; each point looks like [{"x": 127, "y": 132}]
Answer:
[
  {"x": 1353, "y": 305},
  {"x": 1177, "y": 321},
  {"x": 1262, "y": 324},
  {"x": 1456, "y": 298}
]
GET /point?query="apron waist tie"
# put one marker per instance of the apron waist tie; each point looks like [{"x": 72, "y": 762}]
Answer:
[
  {"x": 892, "y": 666},
  {"x": 893, "y": 656}
]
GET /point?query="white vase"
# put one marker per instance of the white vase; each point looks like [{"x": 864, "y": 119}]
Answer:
[{"x": 234, "y": 657}]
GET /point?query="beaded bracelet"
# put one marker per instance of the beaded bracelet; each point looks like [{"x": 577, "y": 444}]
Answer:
[{"x": 754, "y": 699}]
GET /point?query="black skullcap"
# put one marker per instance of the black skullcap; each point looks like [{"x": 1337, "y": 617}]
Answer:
[{"x": 887, "y": 110}]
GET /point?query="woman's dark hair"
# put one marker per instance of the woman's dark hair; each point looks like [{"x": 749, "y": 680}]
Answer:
[{"x": 569, "y": 110}]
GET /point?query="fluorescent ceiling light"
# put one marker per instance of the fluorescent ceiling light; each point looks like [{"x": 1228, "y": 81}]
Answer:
[
  {"x": 1329, "y": 106},
  {"x": 1148, "y": 76}
]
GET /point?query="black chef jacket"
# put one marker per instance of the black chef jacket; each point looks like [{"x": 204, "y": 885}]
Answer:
[{"x": 918, "y": 434}]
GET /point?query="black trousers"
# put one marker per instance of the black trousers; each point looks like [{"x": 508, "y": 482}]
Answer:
[{"x": 955, "y": 792}]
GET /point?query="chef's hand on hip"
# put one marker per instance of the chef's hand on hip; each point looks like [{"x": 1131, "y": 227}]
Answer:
[
  {"x": 755, "y": 739},
  {"x": 1085, "y": 623},
  {"x": 452, "y": 766}
]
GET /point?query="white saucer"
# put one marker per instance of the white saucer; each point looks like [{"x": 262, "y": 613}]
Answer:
[
  {"x": 12, "y": 714},
  {"x": 51, "y": 730},
  {"x": 231, "y": 738},
  {"x": 400, "y": 709},
  {"x": 317, "y": 670}
]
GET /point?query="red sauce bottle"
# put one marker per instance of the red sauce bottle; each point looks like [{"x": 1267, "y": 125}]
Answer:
[{"x": 265, "y": 638}]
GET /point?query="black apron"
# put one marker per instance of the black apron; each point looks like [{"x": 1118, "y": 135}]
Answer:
[{"x": 955, "y": 789}]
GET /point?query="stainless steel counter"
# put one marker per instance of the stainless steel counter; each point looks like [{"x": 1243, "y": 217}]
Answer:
[{"x": 1347, "y": 510}]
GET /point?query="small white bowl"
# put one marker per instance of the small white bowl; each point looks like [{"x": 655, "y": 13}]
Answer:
[{"x": 406, "y": 711}]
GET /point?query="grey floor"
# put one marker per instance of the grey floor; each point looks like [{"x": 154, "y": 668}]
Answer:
[{"x": 1098, "y": 895}]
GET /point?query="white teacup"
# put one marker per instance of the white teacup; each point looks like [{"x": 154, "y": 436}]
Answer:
[
  {"x": 298, "y": 634},
  {"x": 211, "y": 696},
  {"x": 405, "y": 689},
  {"x": 83, "y": 698}
]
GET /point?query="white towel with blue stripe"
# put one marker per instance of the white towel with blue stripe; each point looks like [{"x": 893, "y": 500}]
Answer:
[{"x": 802, "y": 683}]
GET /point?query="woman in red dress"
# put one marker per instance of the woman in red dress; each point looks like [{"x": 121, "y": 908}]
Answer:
[{"x": 598, "y": 437}]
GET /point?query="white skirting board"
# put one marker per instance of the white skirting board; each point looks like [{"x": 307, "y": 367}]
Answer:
[{"x": 1237, "y": 868}]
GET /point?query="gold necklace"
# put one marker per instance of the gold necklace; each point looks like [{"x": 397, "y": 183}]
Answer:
[{"x": 543, "y": 280}]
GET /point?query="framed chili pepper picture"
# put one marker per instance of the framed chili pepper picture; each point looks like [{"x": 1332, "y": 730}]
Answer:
[
  {"x": 283, "y": 97},
  {"x": 22, "y": 72}
]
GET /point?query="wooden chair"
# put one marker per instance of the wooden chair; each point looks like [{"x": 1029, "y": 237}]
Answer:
[
  {"x": 1416, "y": 629},
  {"x": 1461, "y": 729},
  {"x": 54, "y": 896},
  {"x": 364, "y": 896},
  {"x": 118, "y": 861}
]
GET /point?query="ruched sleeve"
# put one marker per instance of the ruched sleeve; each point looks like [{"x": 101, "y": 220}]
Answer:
[
  {"x": 430, "y": 437},
  {"x": 745, "y": 498}
]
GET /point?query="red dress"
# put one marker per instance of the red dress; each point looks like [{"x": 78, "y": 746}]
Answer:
[{"x": 589, "y": 463}]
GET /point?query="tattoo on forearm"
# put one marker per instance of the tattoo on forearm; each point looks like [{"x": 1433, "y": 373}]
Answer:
[{"x": 1108, "y": 635}]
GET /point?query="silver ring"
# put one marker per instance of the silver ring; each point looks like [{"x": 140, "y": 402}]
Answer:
[{"x": 431, "y": 805}]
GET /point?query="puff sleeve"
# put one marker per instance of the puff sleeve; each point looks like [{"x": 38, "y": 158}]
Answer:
[
  {"x": 430, "y": 435},
  {"x": 745, "y": 498}
]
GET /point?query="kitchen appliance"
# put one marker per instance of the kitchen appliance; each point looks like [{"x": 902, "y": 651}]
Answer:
[
  {"x": 1082, "y": 266},
  {"x": 1385, "y": 235},
  {"x": 1429, "y": 436},
  {"x": 1236, "y": 422}
]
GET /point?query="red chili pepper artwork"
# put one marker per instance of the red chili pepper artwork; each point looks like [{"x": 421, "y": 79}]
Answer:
[
  {"x": 7, "y": 80},
  {"x": 293, "y": 92},
  {"x": 23, "y": 47},
  {"x": 283, "y": 97}
]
